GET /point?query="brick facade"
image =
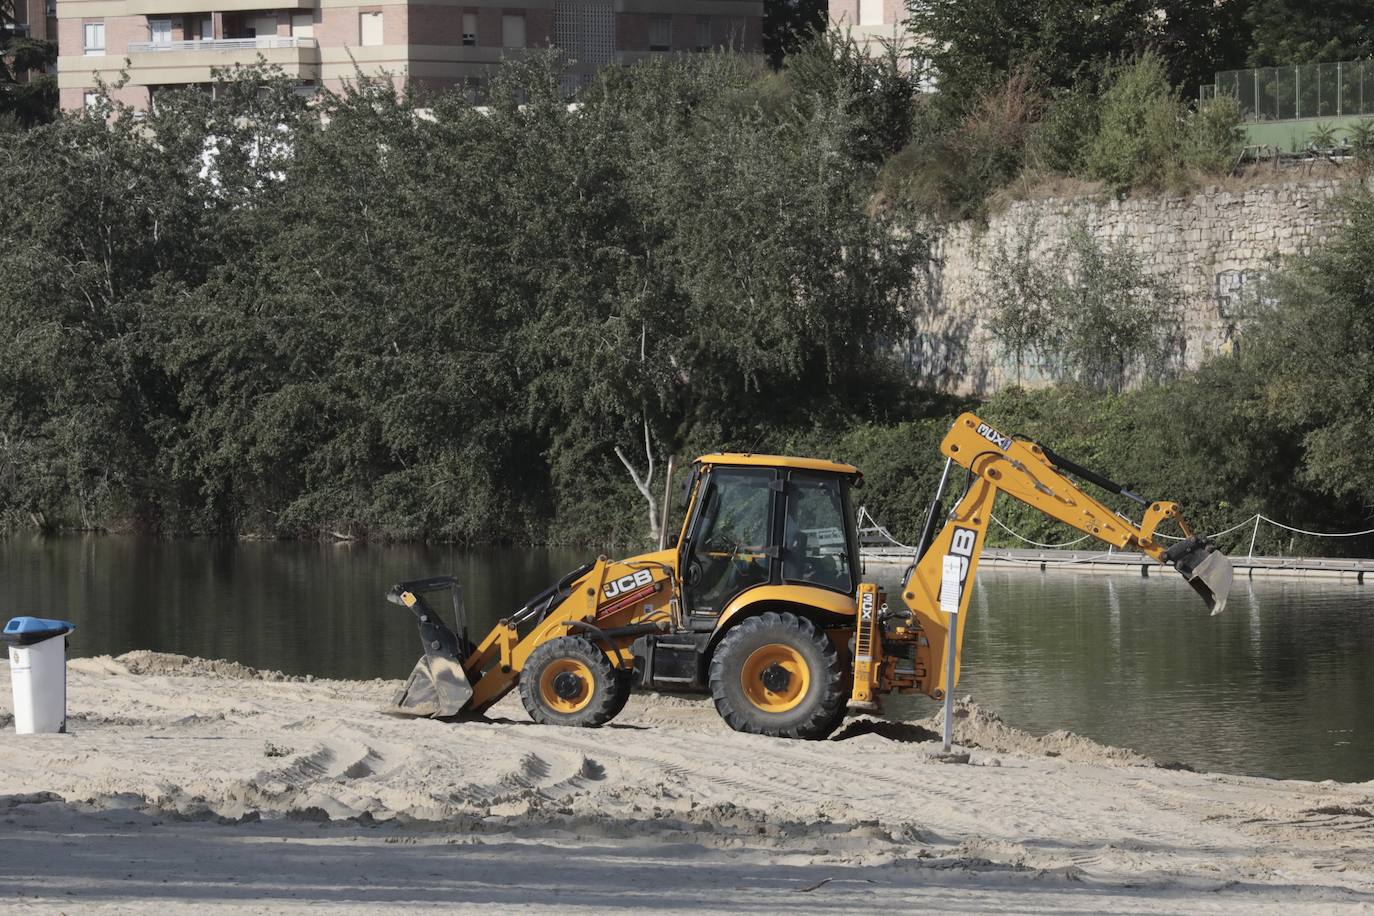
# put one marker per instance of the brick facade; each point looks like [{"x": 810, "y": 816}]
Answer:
[{"x": 421, "y": 41}]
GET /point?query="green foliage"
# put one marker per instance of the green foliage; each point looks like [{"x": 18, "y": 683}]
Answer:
[
  {"x": 790, "y": 24},
  {"x": 431, "y": 326},
  {"x": 1213, "y": 137},
  {"x": 1111, "y": 322},
  {"x": 1312, "y": 348},
  {"x": 877, "y": 95},
  {"x": 975, "y": 45},
  {"x": 1287, "y": 32},
  {"x": 1139, "y": 130},
  {"x": 1061, "y": 140},
  {"x": 1362, "y": 145},
  {"x": 1087, "y": 313},
  {"x": 953, "y": 173},
  {"x": 1322, "y": 136},
  {"x": 28, "y": 95},
  {"x": 1016, "y": 296}
]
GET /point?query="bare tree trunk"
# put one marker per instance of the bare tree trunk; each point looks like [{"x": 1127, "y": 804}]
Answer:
[{"x": 643, "y": 484}]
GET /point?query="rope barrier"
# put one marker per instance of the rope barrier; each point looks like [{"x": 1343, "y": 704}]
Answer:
[
  {"x": 1020, "y": 537},
  {"x": 1315, "y": 534},
  {"x": 1254, "y": 520}
]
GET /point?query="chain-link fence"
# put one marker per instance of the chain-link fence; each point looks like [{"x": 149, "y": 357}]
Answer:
[{"x": 1341, "y": 89}]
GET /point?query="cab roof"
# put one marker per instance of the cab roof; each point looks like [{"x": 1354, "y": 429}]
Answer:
[{"x": 779, "y": 461}]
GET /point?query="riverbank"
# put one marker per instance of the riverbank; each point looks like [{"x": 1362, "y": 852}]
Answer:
[{"x": 186, "y": 783}]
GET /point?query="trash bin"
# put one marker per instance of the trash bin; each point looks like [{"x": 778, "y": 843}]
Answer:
[{"x": 38, "y": 673}]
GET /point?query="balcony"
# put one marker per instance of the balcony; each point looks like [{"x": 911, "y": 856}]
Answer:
[
  {"x": 173, "y": 7},
  {"x": 175, "y": 62},
  {"x": 202, "y": 45}
]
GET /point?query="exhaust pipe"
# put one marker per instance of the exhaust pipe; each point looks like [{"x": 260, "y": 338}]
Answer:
[{"x": 1206, "y": 568}]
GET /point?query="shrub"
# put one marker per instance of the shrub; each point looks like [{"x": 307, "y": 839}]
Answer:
[
  {"x": 1213, "y": 138},
  {"x": 953, "y": 174},
  {"x": 1139, "y": 131},
  {"x": 1061, "y": 141}
]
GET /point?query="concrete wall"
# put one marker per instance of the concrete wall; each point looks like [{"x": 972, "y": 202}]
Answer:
[{"x": 1217, "y": 246}]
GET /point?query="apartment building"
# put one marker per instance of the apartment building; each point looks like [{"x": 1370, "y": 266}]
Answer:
[
  {"x": 438, "y": 43},
  {"x": 874, "y": 24},
  {"x": 36, "y": 19}
]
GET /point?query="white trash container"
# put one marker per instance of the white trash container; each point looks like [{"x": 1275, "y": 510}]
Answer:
[{"x": 38, "y": 673}]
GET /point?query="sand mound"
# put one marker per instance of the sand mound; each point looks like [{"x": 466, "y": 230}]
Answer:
[
  {"x": 977, "y": 727},
  {"x": 144, "y": 662}
]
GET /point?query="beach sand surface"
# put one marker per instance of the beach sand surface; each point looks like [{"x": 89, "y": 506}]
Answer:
[{"x": 186, "y": 784}]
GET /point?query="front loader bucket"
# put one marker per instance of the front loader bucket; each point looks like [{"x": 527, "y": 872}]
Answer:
[
  {"x": 437, "y": 687},
  {"x": 1206, "y": 568}
]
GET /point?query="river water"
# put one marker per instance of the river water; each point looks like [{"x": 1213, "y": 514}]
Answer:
[{"x": 1280, "y": 685}]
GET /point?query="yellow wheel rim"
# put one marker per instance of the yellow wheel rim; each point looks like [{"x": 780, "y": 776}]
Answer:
[
  {"x": 775, "y": 678},
  {"x": 566, "y": 685}
]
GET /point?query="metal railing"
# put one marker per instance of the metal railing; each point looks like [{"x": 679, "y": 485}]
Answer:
[
  {"x": 1341, "y": 89},
  {"x": 224, "y": 44}
]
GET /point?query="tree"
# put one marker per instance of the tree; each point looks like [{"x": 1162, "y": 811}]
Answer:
[
  {"x": 788, "y": 24},
  {"x": 976, "y": 44},
  {"x": 1199, "y": 38},
  {"x": 1310, "y": 349},
  {"x": 28, "y": 95},
  {"x": 1015, "y": 297},
  {"x": 1287, "y": 32},
  {"x": 1111, "y": 323}
]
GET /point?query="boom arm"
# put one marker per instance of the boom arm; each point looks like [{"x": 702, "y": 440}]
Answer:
[{"x": 1031, "y": 473}]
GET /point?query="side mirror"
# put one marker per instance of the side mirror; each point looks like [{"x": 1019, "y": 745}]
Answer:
[{"x": 672, "y": 540}]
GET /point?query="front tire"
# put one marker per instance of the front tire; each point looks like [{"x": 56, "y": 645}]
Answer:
[
  {"x": 777, "y": 674},
  {"x": 569, "y": 681}
]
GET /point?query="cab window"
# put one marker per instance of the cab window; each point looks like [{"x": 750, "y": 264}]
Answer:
[
  {"x": 730, "y": 545},
  {"x": 815, "y": 546}
]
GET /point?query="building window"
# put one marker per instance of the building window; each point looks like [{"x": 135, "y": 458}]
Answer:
[
  {"x": 736, "y": 35},
  {"x": 207, "y": 28},
  {"x": 370, "y": 29},
  {"x": 303, "y": 25},
  {"x": 94, "y": 37},
  {"x": 470, "y": 29},
  {"x": 870, "y": 12},
  {"x": 513, "y": 31},
  {"x": 660, "y": 33},
  {"x": 703, "y": 34},
  {"x": 160, "y": 31},
  {"x": 90, "y": 98}
]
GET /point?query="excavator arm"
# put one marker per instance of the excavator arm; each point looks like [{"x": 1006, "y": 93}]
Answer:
[{"x": 941, "y": 579}]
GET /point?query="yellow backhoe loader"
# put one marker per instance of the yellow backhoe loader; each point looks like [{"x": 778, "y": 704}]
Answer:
[{"x": 760, "y": 600}]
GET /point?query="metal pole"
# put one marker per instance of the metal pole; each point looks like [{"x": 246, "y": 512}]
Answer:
[
  {"x": 1254, "y": 534},
  {"x": 949, "y": 680}
]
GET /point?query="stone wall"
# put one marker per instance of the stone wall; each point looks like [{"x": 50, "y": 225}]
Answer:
[{"x": 1216, "y": 246}]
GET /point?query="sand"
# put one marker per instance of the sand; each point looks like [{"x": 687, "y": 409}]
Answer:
[{"x": 187, "y": 783}]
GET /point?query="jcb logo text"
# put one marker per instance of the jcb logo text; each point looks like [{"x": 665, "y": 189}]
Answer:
[{"x": 628, "y": 583}]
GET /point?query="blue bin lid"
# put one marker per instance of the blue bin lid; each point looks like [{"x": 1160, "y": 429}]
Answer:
[{"x": 28, "y": 630}]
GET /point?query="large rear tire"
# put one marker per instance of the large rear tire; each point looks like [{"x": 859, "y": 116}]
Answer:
[
  {"x": 777, "y": 674},
  {"x": 569, "y": 681}
]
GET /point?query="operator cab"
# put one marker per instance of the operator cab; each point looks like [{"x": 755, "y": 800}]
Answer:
[{"x": 766, "y": 520}]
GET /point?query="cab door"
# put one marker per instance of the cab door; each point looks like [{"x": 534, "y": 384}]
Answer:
[{"x": 731, "y": 546}]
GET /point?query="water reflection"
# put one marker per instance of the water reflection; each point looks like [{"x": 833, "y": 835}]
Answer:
[{"x": 1277, "y": 685}]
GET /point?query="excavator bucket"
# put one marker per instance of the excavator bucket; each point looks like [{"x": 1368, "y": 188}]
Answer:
[
  {"x": 438, "y": 686},
  {"x": 1206, "y": 568}
]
